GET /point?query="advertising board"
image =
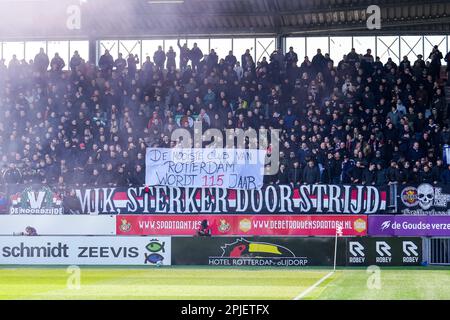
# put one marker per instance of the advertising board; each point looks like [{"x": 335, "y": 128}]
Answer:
[
  {"x": 242, "y": 225},
  {"x": 296, "y": 252},
  {"x": 406, "y": 225},
  {"x": 130, "y": 251},
  {"x": 68, "y": 225}
]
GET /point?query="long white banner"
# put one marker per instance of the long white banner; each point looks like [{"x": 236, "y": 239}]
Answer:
[
  {"x": 68, "y": 225},
  {"x": 131, "y": 251},
  {"x": 205, "y": 168}
]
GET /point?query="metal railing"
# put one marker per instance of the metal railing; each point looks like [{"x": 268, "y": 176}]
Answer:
[{"x": 438, "y": 251}]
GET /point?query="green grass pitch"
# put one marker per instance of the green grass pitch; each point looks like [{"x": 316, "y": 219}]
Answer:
[{"x": 223, "y": 283}]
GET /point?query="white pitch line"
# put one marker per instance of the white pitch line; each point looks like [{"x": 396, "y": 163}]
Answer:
[{"x": 315, "y": 285}]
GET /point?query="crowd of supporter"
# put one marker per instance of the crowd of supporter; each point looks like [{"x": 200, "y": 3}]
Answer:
[{"x": 356, "y": 121}]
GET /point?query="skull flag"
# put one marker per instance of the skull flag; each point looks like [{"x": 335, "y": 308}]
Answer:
[
  {"x": 425, "y": 194},
  {"x": 425, "y": 199}
]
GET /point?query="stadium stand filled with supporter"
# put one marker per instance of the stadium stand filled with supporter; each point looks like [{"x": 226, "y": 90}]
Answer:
[{"x": 355, "y": 122}]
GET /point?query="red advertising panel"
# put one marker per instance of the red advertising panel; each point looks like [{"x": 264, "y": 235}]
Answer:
[{"x": 242, "y": 225}]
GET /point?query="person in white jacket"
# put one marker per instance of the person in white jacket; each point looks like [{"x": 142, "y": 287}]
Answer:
[
  {"x": 347, "y": 86},
  {"x": 239, "y": 71}
]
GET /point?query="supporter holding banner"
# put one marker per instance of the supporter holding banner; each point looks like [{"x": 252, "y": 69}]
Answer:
[
  {"x": 241, "y": 169},
  {"x": 425, "y": 199}
]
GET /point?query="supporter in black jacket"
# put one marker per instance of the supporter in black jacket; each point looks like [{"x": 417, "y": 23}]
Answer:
[
  {"x": 94, "y": 179},
  {"x": 352, "y": 57},
  {"x": 356, "y": 173},
  {"x": 132, "y": 63},
  {"x": 435, "y": 64},
  {"x": 437, "y": 170},
  {"x": 414, "y": 176},
  {"x": 415, "y": 153},
  {"x": 159, "y": 57},
  {"x": 106, "y": 63},
  {"x": 121, "y": 176},
  {"x": 171, "y": 56},
  {"x": 327, "y": 166},
  {"x": 405, "y": 173},
  {"x": 138, "y": 176},
  {"x": 445, "y": 176},
  {"x": 370, "y": 175},
  {"x": 393, "y": 173},
  {"x": 318, "y": 62},
  {"x": 291, "y": 58},
  {"x": 311, "y": 173},
  {"x": 184, "y": 55},
  {"x": 41, "y": 61},
  {"x": 246, "y": 60},
  {"x": 336, "y": 169},
  {"x": 295, "y": 173},
  {"x": 75, "y": 61},
  {"x": 230, "y": 59},
  {"x": 57, "y": 63},
  {"x": 347, "y": 166},
  {"x": 120, "y": 64},
  {"x": 212, "y": 61},
  {"x": 71, "y": 203},
  {"x": 426, "y": 176},
  {"x": 283, "y": 175},
  {"x": 381, "y": 178},
  {"x": 447, "y": 59},
  {"x": 195, "y": 55}
]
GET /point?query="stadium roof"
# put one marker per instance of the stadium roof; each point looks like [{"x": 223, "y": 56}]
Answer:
[{"x": 131, "y": 18}]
